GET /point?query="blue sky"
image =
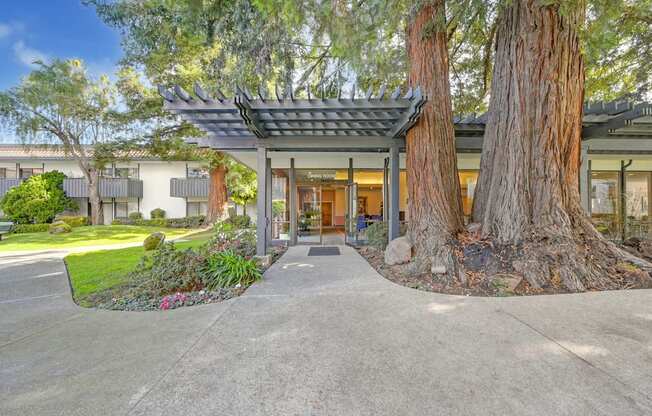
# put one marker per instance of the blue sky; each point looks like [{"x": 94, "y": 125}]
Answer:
[{"x": 46, "y": 29}]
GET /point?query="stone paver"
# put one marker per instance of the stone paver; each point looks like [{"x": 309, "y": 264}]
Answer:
[{"x": 325, "y": 336}]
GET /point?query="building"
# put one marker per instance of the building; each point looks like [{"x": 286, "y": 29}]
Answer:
[
  {"x": 331, "y": 167},
  {"x": 140, "y": 185}
]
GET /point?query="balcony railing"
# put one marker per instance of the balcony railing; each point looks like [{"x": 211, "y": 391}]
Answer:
[
  {"x": 8, "y": 183},
  {"x": 109, "y": 188},
  {"x": 189, "y": 187}
]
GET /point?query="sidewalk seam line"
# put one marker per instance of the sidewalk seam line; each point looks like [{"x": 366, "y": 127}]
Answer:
[
  {"x": 575, "y": 355},
  {"x": 181, "y": 357}
]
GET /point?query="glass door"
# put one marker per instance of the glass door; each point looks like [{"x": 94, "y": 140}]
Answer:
[
  {"x": 309, "y": 215},
  {"x": 351, "y": 217}
]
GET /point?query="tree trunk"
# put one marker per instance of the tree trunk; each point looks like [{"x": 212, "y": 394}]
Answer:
[
  {"x": 97, "y": 213},
  {"x": 527, "y": 195},
  {"x": 435, "y": 207},
  {"x": 217, "y": 194}
]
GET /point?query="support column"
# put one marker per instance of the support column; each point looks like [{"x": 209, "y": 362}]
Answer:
[
  {"x": 385, "y": 190},
  {"x": 268, "y": 199},
  {"x": 261, "y": 219},
  {"x": 585, "y": 174},
  {"x": 394, "y": 180},
  {"x": 293, "y": 204},
  {"x": 350, "y": 220}
]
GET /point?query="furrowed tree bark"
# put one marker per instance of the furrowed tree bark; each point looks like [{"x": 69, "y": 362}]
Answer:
[
  {"x": 435, "y": 207},
  {"x": 217, "y": 194},
  {"x": 527, "y": 194}
]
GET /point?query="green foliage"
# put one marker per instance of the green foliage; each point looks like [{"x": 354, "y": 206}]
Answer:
[
  {"x": 237, "y": 221},
  {"x": 185, "y": 222},
  {"x": 228, "y": 269},
  {"x": 377, "y": 234},
  {"x": 240, "y": 241},
  {"x": 242, "y": 184},
  {"x": 29, "y": 228},
  {"x": 135, "y": 216},
  {"x": 153, "y": 241},
  {"x": 168, "y": 270},
  {"x": 157, "y": 213},
  {"x": 74, "y": 221},
  {"x": 59, "y": 227},
  {"x": 37, "y": 200}
]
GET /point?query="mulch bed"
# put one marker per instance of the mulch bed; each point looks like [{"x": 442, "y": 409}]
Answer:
[{"x": 115, "y": 298}]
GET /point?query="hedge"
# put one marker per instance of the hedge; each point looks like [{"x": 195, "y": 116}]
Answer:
[
  {"x": 186, "y": 222},
  {"x": 29, "y": 228},
  {"x": 74, "y": 220}
]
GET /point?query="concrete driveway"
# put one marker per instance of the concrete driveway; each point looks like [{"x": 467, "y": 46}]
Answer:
[{"x": 322, "y": 336}]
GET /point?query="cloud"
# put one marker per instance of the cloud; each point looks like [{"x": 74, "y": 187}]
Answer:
[{"x": 27, "y": 56}]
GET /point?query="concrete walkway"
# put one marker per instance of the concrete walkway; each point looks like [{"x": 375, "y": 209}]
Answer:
[{"x": 323, "y": 336}]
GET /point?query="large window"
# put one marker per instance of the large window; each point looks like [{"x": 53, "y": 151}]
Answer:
[
  {"x": 124, "y": 208},
  {"x": 198, "y": 173},
  {"x": 468, "y": 181},
  {"x": 196, "y": 208},
  {"x": 126, "y": 173},
  {"x": 637, "y": 195},
  {"x": 604, "y": 194},
  {"x": 27, "y": 172}
]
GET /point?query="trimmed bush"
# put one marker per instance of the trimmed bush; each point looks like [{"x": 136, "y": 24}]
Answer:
[
  {"x": 168, "y": 270},
  {"x": 228, "y": 269},
  {"x": 74, "y": 221},
  {"x": 377, "y": 235},
  {"x": 238, "y": 221},
  {"x": 187, "y": 222},
  {"x": 153, "y": 241},
  {"x": 157, "y": 213},
  {"x": 136, "y": 216},
  {"x": 59, "y": 227},
  {"x": 29, "y": 228},
  {"x": 37, "y": 200}
]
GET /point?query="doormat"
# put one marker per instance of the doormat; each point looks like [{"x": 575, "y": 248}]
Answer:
[{"x": 324, "y": 251}]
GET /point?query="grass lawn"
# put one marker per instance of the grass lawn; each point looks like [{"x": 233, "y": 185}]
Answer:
[
  {"x": 98, "y": 270},
  {"x": 84, "y": 236}
]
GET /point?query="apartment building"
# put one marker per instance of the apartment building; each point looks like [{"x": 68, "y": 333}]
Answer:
[{"x": 139, "y": 185}]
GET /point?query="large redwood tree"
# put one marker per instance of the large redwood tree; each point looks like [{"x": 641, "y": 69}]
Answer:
[
  {"x": 435, "y": 208},
  {"x": 527, "y": 196}
]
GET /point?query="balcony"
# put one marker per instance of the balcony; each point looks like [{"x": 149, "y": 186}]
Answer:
[
  {"x": 109, "y": 188},
  {"x": 8, "y": 183},
  {"x": 189, "y": 187}
]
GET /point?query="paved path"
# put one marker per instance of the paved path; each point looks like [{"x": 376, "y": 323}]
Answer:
[{"x": 322, "y": 336}]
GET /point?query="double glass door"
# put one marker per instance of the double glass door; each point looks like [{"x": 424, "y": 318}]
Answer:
[{"x": 309, "y": 215}]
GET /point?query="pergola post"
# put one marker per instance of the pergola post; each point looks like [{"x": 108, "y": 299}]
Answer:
[
  {"x": 585, "y": 174},
  {"x": 351, "y": 223},
  {"x": 394, "y": 179},
  {"x": 385, "y": 190},
  {"x": 261, "y": 218},
  {"x": 293, "y": 204},
  {"x": 268, "y": 199}
]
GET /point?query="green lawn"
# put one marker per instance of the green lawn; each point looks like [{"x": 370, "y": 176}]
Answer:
[
  {"x": 83, "y": 237},
  {"x": 98, "y": 270}
]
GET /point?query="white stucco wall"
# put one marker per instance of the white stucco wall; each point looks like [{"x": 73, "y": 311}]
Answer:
[{"x": 156, "y": 188}]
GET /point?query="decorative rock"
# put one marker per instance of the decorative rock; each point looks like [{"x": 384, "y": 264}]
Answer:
[
  {"x": 398, "y": 251},
  {"x": 506, "y": 282},
  {"x": 153, "y": 241},
  {"x": 59, "y": 227}
]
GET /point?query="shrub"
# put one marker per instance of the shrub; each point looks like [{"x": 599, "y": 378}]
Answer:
[
  {"x": 377, "y": 235},
  {"x": 228, "y": 269},
  {"x": 241, "y": 242},
  {"x": 29, "y": 228},
  {"x": 135, "y": 216},
  {"x": 153, "y": 241},
  {"x": 169, "y": 270},
  {"x": 186, "y": 222},
  {"x": 59, "y": 227},
  {"x": 37, "y": 200},
  {"x": 238, "y": 221},
  {"x": 74, "y": 221},
  {"x": 157, "y": 213},
  {"x": 119, "y": 221}
]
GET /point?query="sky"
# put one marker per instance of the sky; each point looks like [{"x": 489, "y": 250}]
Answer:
[{"x": 46, "y": 29}]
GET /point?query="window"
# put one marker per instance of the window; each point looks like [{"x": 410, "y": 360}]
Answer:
[
  {"x": 7, "y": 173},
  {"x": 107, "y": 172},
  {"x": 468, "y": 181},
  {"x": 3, "y": 173},
  {"x": 27, "y": 172},
  {"x": 637, "y": 188},
  {"x": 198, "y": 173},
  {"x": 604, "y": 194},
  {"x": 197, "y": 208},
  {"x": 126, "y": 172},
  {"x": 124, "y": 208}
]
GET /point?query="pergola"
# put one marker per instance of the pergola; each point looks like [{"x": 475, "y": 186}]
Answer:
[{"x": 248, "y": 122}]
